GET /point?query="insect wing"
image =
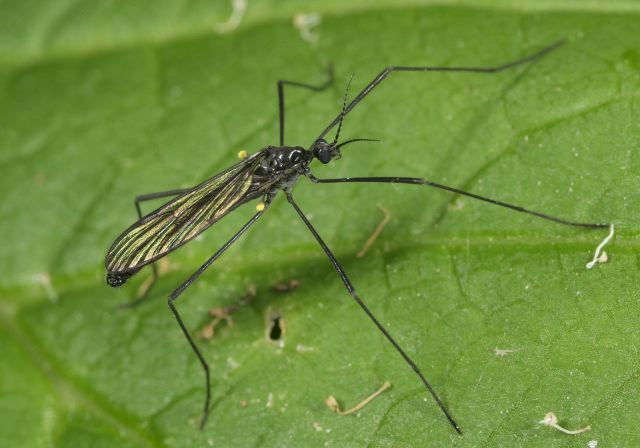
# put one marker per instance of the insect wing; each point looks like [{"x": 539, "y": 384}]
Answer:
[{"x": 183, "y": 218}]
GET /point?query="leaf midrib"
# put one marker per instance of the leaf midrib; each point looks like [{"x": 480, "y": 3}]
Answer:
[{"x": 68, "y": 282}]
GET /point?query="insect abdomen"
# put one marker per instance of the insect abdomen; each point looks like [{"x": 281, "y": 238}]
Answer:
[{"x": 116, "y": 279}]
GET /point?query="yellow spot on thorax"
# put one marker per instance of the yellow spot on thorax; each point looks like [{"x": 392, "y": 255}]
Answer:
[
  {"x": 243, "y": 154},
  {"x": 260, "y": 206}
]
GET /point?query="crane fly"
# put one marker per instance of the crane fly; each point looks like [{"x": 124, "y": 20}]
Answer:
[{"x": 262, "y": 176}]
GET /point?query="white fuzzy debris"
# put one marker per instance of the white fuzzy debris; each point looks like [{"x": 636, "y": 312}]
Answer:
[
  {"x": 233, "y": 363},
  {"x": 305, "y": 24},
  {"x": 304, "y": 349},
  {"x": 237, "y": 13},
  {"x": 597, "y": 257},
  {"x": 551, "y": 420},
  {"x": 504, "y": 351},
  {"x": 45, "y": 280}
]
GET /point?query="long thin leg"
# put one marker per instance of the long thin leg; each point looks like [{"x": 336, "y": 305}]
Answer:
[
  {"x": 283, "y": 83},
  {"x": 384, "y": 73},
  {"x": 180, "y": 289},
  {"x": 354, "y": 294},
  {"x": 419, "y": 181},
  {"x": 154, "y": 271},
  {"x": 162, "y": 194}
]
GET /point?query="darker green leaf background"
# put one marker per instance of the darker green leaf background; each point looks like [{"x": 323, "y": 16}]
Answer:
[{"x": 100, "y": 101}]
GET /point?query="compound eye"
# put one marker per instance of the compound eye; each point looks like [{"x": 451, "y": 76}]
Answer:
[{"x": 324, "y": 155}]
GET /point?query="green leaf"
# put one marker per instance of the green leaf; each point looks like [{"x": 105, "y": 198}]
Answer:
[{"x": 102, "y": 101}]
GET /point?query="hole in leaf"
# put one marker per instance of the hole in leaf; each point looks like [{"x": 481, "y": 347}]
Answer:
[{"x": 275, "y": 328}]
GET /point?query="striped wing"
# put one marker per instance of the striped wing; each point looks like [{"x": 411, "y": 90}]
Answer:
[{"x": 183, "y": 218}]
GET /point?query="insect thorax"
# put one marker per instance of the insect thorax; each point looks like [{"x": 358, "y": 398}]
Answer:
[{"x": 284, "y": 158}]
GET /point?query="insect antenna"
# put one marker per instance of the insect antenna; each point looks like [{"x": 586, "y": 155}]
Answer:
[
  {"x": 342, "y": 115},
  {"x": 343, "y": 111},
  {"x": 357, "y": 140}
]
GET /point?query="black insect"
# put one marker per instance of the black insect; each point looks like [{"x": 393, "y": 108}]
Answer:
[{"x": 262, "y": 176}]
